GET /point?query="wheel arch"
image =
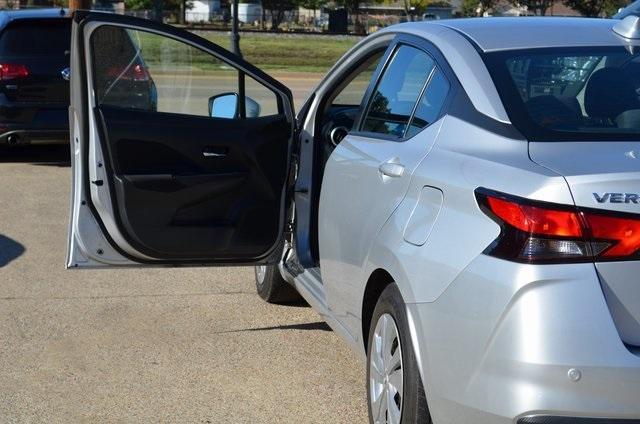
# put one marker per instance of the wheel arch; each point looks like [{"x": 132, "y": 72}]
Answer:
[{"x": 377, "y": 282}]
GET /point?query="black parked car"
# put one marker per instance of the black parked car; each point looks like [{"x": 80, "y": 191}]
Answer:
[{"x": 34, "y": 74}]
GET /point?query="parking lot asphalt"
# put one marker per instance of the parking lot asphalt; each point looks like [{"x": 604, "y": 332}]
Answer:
[{"x": 160, "y": 345}]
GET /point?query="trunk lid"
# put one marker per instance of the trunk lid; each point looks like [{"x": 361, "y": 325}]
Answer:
[{"x": 604, "y": 176}]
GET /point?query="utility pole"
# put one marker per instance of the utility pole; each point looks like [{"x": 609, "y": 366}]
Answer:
[
  {"x": 235, "y": 48},
  {"x": 158, "y": 7},
  {"x": 235, "y": 35},
  {"x": 79, "y": 5}
]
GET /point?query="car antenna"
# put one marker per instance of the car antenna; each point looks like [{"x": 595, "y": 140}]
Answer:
[{"x": 628, "y": 28}]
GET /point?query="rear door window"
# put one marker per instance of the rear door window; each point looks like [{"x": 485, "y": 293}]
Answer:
[{"x": 397, "y": 92}]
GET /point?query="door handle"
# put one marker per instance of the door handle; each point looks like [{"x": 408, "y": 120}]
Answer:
[
  {"x": 391, "y": 169},
  {"x": 214, "y": 152}
]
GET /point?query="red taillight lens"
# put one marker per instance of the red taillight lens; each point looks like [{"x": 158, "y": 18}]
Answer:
[
  {"x": 140, "y": 73},
  {"x": 544, "y": 232},
  {"x": 9, "y": 71},
  {"x": 537, "y": 220},
  {"x": 137, "y": 73},
  {"x": 618, "y": 236}
]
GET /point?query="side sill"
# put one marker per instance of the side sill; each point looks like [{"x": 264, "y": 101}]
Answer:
[{"x": 541, "y": 419}]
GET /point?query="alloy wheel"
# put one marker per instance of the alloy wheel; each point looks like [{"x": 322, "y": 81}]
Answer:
[
  {"x": 386, "y": 372},
  {"x": 261, "y": 271}
]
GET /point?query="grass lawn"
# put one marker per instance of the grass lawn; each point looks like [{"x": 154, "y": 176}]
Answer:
[
  {"x": 288, "y": 52},
  {"x": 271, "y": 52}
]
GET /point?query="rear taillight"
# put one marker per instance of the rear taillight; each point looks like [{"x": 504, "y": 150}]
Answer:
[
  {"x": 541, "y": 232},
  {"x": 9, "y": 71},
  {"x": 136, "y": 72}
]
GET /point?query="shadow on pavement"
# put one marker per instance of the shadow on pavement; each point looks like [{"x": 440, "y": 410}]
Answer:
[
  {"x": 53, "y": 155},
  {"x": 307, "y": 326},
  {"x": 9, "y": 250}
]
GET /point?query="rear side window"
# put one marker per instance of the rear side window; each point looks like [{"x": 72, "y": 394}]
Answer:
[
  {"x": 397, "y": 92},
  {"x": 36, "y": 37},
  {"x": 430, "y": 104}
]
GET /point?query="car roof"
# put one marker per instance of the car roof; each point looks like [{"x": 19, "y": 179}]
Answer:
[
  {"x": 495, "y": 34},
  {"x": 7, "y": 16}
]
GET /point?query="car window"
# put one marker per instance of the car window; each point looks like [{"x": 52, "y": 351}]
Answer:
[
  {"x": 575, "y": 93},
  {"x": 397, "y": 92},
  {"x": 353, "y": 93},
  {"x": 142, "y": 70},
  {"x": 36, "y": 37},
  {"x": 430, "y": 104}
]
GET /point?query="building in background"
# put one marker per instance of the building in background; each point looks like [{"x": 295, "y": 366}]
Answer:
[
  {"x": 249, "y": 12},
  {"x": 114, "y": 6},
  {"x": 203, "y": 10}
]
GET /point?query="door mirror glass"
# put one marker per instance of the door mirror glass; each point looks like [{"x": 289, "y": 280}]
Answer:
[{"x": 226, "y": 105}]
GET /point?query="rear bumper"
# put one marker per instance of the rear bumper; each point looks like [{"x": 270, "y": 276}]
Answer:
[
  {"x": 520, "y": 344},
  {"x": 39, "y": 137},
  {"x": 33, "y": 122}
]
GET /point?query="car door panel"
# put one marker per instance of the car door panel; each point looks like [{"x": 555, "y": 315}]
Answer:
[
  {"x": 173, "y": 201},
  {"x": 347, "y": 233},
  {"x": 373, "y": 171},
  {"x": 171, "y": 188}
]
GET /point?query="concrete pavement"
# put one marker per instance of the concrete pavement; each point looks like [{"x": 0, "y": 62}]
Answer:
[{"x": 161, "y": 345}]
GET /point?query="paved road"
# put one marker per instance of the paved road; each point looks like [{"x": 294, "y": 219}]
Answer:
[
  {"x": 186, "y": 93},
  {"x": 185, "y": 345}
]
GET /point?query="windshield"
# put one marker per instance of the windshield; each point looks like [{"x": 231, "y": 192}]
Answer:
[{"x": 570, "y": 93}]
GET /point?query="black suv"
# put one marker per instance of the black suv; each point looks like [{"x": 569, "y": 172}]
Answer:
[{"x": 34, "y": 76}]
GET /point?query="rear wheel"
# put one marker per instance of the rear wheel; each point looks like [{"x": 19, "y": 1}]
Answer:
[
  {"x": 272, "y": 287},
  {"x": 394, "y": 388}
]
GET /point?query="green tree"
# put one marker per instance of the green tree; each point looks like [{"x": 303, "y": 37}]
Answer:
[
  {"x": 477, "y": 7},
  {"x": 415, "y": 7},
  {"x": 277, "y": 9},
  {"x": 537, "y": 7},
  {"x": 412, "y": 8},
  {"x": 312, "y": 5},
  {"x": 470, "y": 7},
  {"x": 595, "y": 8},
  {"x": 138, "y": 4},
  {"x": 178, "y": 7}
]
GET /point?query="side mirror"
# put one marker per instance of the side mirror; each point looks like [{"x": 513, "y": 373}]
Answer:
[
  {"x": 227, "y": 106},
  {"x": 224, "y": 105}
]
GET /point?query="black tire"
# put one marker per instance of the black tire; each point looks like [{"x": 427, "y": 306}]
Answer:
[
  {"x": 414, "y": 407},
  {"x": 273, "y": 288}
]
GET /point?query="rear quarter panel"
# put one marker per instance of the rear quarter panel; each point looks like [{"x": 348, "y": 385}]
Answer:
[{"x": 464, "y": 158}]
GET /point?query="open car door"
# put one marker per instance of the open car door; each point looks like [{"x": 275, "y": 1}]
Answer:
[{"x": 180, "y": 149}]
